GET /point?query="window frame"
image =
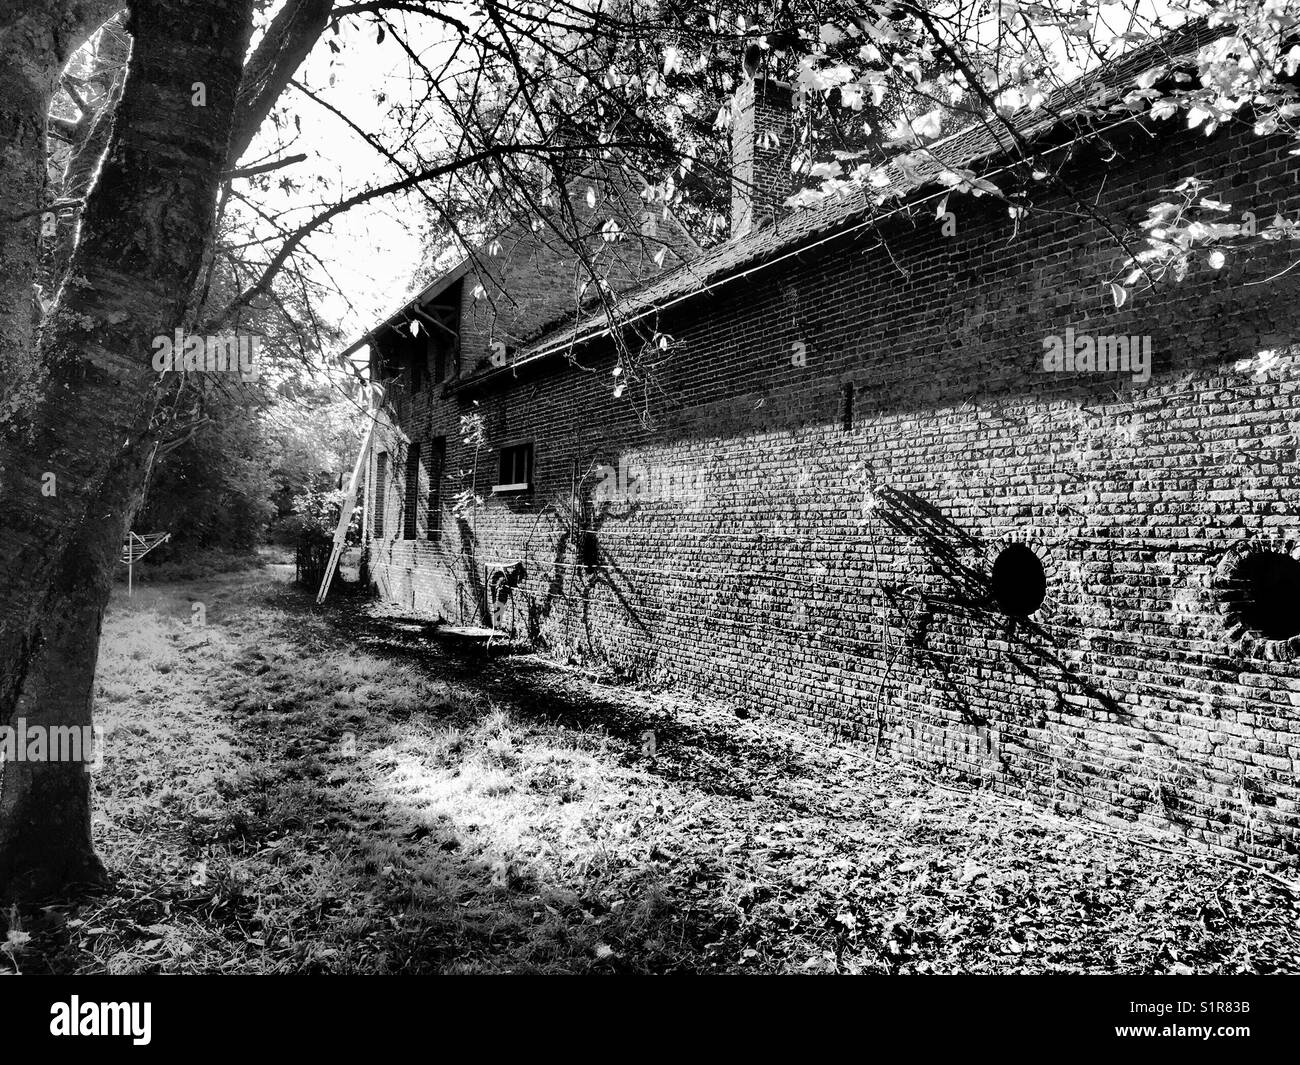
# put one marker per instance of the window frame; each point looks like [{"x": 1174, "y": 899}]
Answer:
[
  {"x": 524, "y": 448},
  {"x": 419, "y": 369}
]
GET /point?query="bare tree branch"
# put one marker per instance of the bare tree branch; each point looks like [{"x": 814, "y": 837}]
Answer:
[{"x": 264, "y": 168}]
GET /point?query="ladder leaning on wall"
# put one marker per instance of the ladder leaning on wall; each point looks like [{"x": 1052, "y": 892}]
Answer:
[{"x": 345, "y": 512}]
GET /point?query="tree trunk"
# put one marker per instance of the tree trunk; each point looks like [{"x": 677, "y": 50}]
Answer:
[
  {"x": 30, "y": 63},
  {"x": 36, "y": 39},
  {"x": 87, "y": 155},
  {"x": 45, "y": 837},
  {"x": 279, "y": 53},
  {"x": 45, "y": 842},
  {"x": 143, "y": 231}
]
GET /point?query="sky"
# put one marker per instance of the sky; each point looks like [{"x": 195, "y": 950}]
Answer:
[{"x": 373, "y": 251}]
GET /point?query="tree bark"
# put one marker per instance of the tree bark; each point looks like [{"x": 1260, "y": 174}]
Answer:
[
  {"x": 280, "y": 52},
  {"x": 31, "y": 62},
  {"x": 143, "y": 232},
  {"x": 87, "y": 155},
  {"x": 45, "y": 816},
  {"x": 45, "y": 845},
  {"x": 36, "y": 39}
]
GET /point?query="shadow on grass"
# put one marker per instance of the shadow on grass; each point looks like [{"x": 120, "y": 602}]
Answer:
[
  {"x": 711, "y": 756},
  {"x": 292, "y": 857},
  {"x": 485, "y": 824}
]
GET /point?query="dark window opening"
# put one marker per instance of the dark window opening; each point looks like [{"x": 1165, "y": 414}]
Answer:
[
  {"x": 590, "y": 549},
  {"x": 418, "y": 360},
  {"x": 380, "y": 494},
  {"x": 444, "y": 355},
  {"x": 398, "y": 353},
  {"x": 1264, "y": 591},
  {"x": 516, "y": 470},
  {"x": 846, "y": 407},
  {"x": 1019, "y": 580},
  {"x": 443, "y": 348},
  {"x": 410, "y": 504},
  {"x": 436, "y": 466}
]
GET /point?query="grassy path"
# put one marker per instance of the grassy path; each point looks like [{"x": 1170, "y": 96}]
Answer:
[{"x": 289, "y": 789}]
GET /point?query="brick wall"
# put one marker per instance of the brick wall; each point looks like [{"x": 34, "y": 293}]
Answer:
[{"x": 838, "y": 575}]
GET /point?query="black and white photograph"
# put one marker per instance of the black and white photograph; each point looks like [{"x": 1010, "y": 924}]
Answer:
[{"x": 650, "y": 488}]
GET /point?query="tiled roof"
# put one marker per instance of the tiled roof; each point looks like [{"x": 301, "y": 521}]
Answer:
[
  {"x": 683, "y": 247},
  {"x": 977, "y": 143}
]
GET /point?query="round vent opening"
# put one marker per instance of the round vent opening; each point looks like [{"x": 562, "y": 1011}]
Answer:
[
  {"x": 1263, "y": 590},
  {"x": 1019, "y": 580}
]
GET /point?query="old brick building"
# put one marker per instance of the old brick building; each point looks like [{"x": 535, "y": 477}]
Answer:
[{"x": 849, "y": 494}]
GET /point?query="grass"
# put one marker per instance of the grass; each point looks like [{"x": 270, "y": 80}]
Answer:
[
  {"x": 168, "y": 564},
  {"x": 291, "y": 789}
]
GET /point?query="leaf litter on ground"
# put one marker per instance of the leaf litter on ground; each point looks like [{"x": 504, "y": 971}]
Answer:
[{"x": 297, "y": 789}]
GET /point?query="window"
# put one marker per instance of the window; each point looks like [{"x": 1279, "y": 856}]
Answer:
[
  {"x": 443, "y": 346},
  {"x": 440, "y": 352},
  {"x": 403, "y": 355},
  {"x": 846, "y": 406},
  {"x": 380, "y": 494},
  {"x": 438, "y": 355},
  {"x": 410, "y": 504},
  {"x": 590, "y": 549},
  {"x": 516, "y": 473},
  {"x": 442, "y": 329},
  {"x": 436, "y": 465},
  {"x": 419, "y": 367}
]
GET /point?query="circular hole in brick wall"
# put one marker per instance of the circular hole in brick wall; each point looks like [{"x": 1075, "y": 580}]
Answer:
[
  {"x": 1263, "y": 590},
  {"x": 1019, "y": 580}
]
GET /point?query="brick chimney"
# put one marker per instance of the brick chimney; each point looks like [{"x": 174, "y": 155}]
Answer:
[{"x": 762, "y": 145}]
